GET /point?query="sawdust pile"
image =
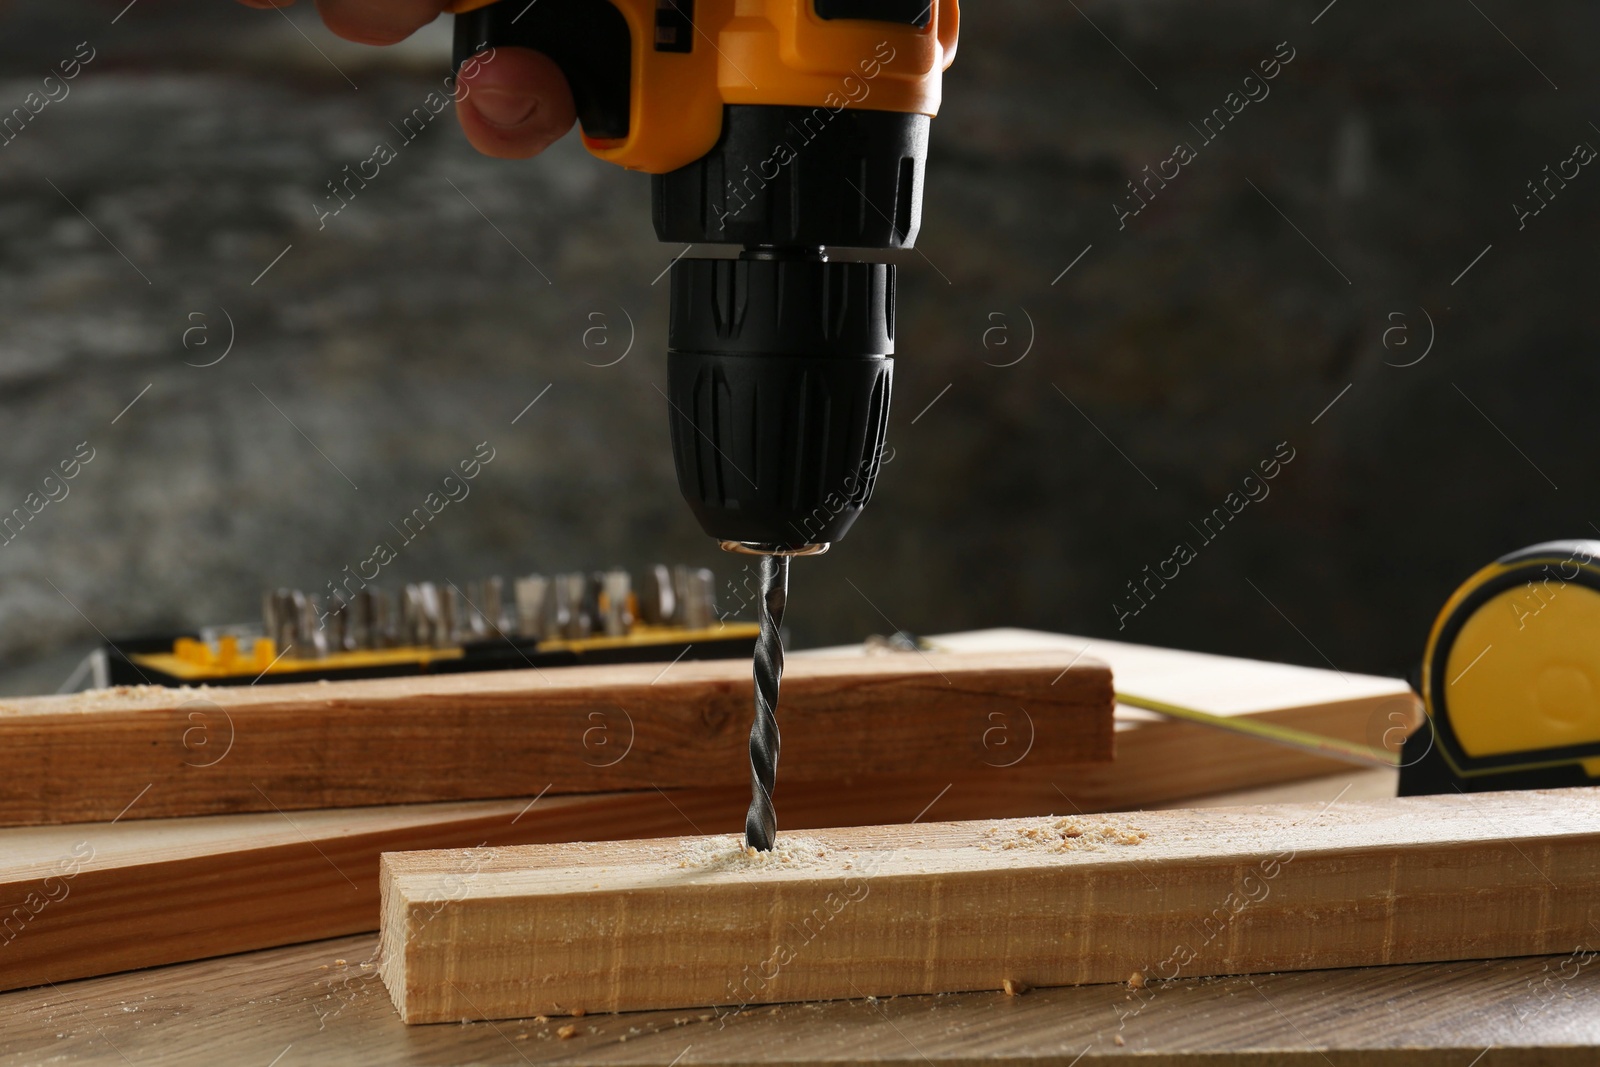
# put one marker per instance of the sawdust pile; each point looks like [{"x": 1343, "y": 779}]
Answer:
[
  {"x": 1052, "y": 834},
  {"x": 729, "y": 852}
]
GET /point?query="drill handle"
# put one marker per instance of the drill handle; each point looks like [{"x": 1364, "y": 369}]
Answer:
[
  {"x": 651, "y": 78},
  {"x": 587, "y": 39}
]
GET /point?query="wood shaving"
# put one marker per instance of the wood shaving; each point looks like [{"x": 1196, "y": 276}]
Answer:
[
  {"x": 567, "y": 1031},
  {"x": 577, "y": 1013},
  {"x": 729, "y": 852},
  {"x": 1053, "y": 834},
  {"x": 1014, "y": 988},
  {"x": 1116, "y": 1039},
  {"x": 1136, "y": 980}
]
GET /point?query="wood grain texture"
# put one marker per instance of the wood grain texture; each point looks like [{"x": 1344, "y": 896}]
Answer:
[
  {"x": 148, "y": 752},
  {"x": 314, "y": 875},
  {"x": 97, "y": 898},
  {"x": 323, "y": 1003},
  {"x": 1159, "y": 760},
  {"x": 1221, "y": 685},
  {"x": 947, "y": 907}
]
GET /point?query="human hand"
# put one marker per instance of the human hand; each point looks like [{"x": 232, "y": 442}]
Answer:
[{"x": 511, "y": 106}]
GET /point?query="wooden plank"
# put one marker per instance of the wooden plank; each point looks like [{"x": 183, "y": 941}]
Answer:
[
  {"x": 1165, "y": 762},
  {"x": 898, "y": 910},
  {"x": 208, "y": 869},
  {"x": 1221, "y": 685},
  {"x": 1158, "y": 760},
  {"x": 326, "y": 1000},
  {"x": 96, "y": 898},
  {"x": 146, "y": 752},
  {"x": 324, "y": 1004}
]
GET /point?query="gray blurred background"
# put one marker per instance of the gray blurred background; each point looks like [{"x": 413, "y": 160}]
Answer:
[{"x": 1296, "y": 262}]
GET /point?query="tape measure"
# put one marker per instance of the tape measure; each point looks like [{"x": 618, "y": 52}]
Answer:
[{"x": 1510, "y": 678}]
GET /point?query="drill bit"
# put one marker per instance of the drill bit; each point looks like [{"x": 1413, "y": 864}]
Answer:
[{"x": 761, "y": 824}]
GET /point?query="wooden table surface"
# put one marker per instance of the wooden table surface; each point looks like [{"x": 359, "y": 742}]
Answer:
[{"x": 323, "y": 1003}]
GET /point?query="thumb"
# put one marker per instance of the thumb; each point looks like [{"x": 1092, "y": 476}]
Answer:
[{"x": 513, "y": 103}]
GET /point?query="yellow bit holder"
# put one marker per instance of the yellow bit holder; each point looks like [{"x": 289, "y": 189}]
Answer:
[{"x": 193, "y": 660}]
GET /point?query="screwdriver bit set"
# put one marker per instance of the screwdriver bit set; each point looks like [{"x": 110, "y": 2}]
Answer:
[{"x": 426, "y": 627}]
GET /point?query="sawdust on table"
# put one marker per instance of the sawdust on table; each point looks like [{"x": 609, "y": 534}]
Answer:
[
  {"x": 729, "y": 852},
  {"x": 1061, "y": 834}
]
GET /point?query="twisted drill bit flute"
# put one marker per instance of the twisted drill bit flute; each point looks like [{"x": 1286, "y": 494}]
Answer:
[{"x": 761, "y": 824}]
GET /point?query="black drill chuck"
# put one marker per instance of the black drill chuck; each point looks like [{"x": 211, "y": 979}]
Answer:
[
  {"x": 778, "y": 375},
  {"x": 779, "y": 362}
]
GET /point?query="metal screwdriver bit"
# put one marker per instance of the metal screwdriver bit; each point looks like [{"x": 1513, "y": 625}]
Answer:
[{"x": 761, "y": 823}]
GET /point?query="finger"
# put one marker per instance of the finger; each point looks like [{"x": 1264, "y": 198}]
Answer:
[
  {"x": 378, "y": 21},
  {"x": 513, "y": 102}
]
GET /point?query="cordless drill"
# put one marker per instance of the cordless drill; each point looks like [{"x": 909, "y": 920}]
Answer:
[{"x": 787, "y": 128}]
